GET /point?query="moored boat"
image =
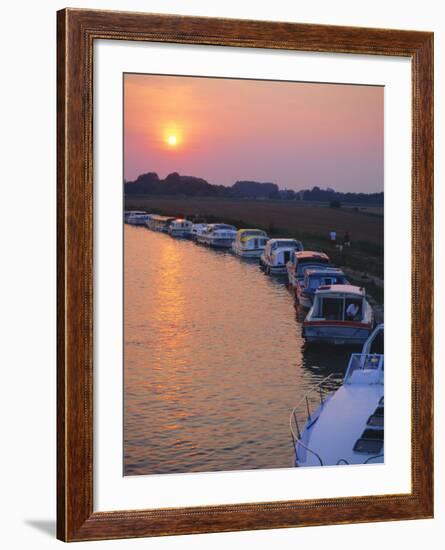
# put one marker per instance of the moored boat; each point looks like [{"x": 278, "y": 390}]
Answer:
[
  {"x": 180, "y": 228},
  {"x": 346, "y": 426},
  {"x": 277, "y": 253},
  {"x": 305, "y": 259},
  {"x": 249, "y": 243},
  {"x": 136, "y": 217},
  {"x": 159, "y": 223},
  {"x": 340, "y": 314},
  {"x": 218, "y": 235},
  {"x": 315, "y": 278},
  {"x": 197, "y": 230}
]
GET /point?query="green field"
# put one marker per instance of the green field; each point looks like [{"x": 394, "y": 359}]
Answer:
[{"x": 309, "y": 222}]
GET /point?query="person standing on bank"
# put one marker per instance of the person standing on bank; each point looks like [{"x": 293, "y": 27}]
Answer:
[
  {"x": 333, "y": 237},
  {"x": 347, "y": 239}
]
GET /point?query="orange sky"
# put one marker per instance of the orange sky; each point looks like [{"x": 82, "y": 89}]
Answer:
[{"x": 294, "y": 134}]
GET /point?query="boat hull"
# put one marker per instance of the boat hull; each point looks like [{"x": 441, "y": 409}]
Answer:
[
  {"x": 245, "y": 253},
  {"x": 217, "y": 243},
  {"x": 304, "y": 300},
  {"x": 136, "y": 222},
  {"x": 293, "y": 281},
  {"x": 179, "y": 233},
  {"x": 340, "y": 332},
  {"x": 272, "y": 269}
]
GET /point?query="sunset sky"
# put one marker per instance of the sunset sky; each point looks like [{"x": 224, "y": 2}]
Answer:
[{"x": 294, "y": 134}]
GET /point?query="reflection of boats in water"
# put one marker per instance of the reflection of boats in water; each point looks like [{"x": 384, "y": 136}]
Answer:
[
  {"x": 340, "y": 314},
  {"x": 249, "y": 243},
  {"x": 313, "y": 279},
  {"x": 304, "y": 259},
  {"x": 218, "y": 235},
  {"x": 180, "y": 228},
  {"x": 277, "y": 253},
  {"x": 347, "y": 426},
  {"x": 136, "y": 217}
]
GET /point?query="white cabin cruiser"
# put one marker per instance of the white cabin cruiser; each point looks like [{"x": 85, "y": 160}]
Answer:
[
  {"x": 277, "y": 254},
  {"x": 304, "y": 259},
  {"x": 249, "y": 243},
  {"x": 180, "y": 228},
  {"x": 159, "y": 223},
  {"x": 218, "y": 235},
  {"x": 197, "y": 230},
  {"x": 136, "y": 217},
  {"x": 340, "y": 314},
  {"x": 347, "y": 426}
]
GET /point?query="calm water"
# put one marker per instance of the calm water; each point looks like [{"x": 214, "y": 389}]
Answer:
[{"x": 214, "y": 360}]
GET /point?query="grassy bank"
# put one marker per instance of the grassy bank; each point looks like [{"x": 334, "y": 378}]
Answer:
[{"x": 309, "y": 223}]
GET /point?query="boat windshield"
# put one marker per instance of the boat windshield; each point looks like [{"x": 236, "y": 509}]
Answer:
[
  {"x": 315, "y": 282},
  {"x": 365, "y": 368},
  {"x": 287, "y": 243},
  {"x": 252, "y": 233},
  {"x": 341, "y": 309}
]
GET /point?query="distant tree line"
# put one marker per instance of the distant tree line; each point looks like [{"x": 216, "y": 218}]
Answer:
[{"x": 175, "y": 184}]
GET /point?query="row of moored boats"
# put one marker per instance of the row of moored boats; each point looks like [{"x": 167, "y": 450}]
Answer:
[
  {"x": 338, "y": 312},
  {"x": 328, "y": 428}
]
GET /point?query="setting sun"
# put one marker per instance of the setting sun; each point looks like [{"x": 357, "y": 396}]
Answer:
[{"x": 172, "y": 140}]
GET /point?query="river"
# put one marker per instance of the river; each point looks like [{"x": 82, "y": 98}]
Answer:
[{"x": 214, "y": 359}]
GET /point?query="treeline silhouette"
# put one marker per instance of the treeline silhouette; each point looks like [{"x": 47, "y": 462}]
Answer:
[{"x": 175, "y": 184}]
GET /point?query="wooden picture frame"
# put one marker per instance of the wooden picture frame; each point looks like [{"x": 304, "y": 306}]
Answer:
[{"x": 77, "y": 31}]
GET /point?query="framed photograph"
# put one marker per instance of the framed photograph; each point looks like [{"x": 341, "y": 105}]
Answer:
[{"x": 245, "y": 229}]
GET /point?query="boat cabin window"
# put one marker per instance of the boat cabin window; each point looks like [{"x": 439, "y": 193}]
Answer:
[
  {"x": 376, "y": 421},
  {"x": 340, "y": 309},
  {"x": 332, "y": 309},
  {"x": 370, "y": 442}
]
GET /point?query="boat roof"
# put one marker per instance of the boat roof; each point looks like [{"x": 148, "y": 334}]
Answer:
[
  {"x": 162, "y": 218},
  {"x": 341, "y": 423},
  {"x": 181, "y": 220},
  {"x": 221, "y": 226},
  {"x": 323, "y": 271},
  {"x": 285, "y": 241},
  {"x": 241, "y": 231},
  {"x": 341, "y": 289},
  {"x": 311, "y": 255}
]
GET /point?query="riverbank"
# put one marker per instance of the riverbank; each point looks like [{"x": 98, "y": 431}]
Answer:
[{"x": 309, "y": 223}]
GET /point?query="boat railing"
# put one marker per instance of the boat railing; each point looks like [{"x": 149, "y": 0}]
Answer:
[{"x": 304, "y": 412}]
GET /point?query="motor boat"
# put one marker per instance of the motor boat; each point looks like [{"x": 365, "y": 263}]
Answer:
[
  {"x": 197, "y": 230},
  {"x": 340, "y": 314},
  {"x": 180, "y": 228},
  {"x": 136, "y": 217},
  {"x": 249, "y": 243},
  {"x": 218, "y": 235},
  {"x": 277, "y": 253},
  {"x": 345, "y": 426},
  {"x": 305, "y": 259},
  {"x": 159, "y": 223},
  {"x": 313, "y": 279}
]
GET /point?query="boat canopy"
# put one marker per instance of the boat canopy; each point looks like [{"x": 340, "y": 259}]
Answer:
[
  {"x": 285, "y": 243},
  {"x": 314, "y": 278},
  {"x": 246, "y": 233},
  {"x": 335, "y": 291},
  {"x": 157, "y": 218},
  {"x": 215, "y": 226},
  {"x": 311, "y": 255}
]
